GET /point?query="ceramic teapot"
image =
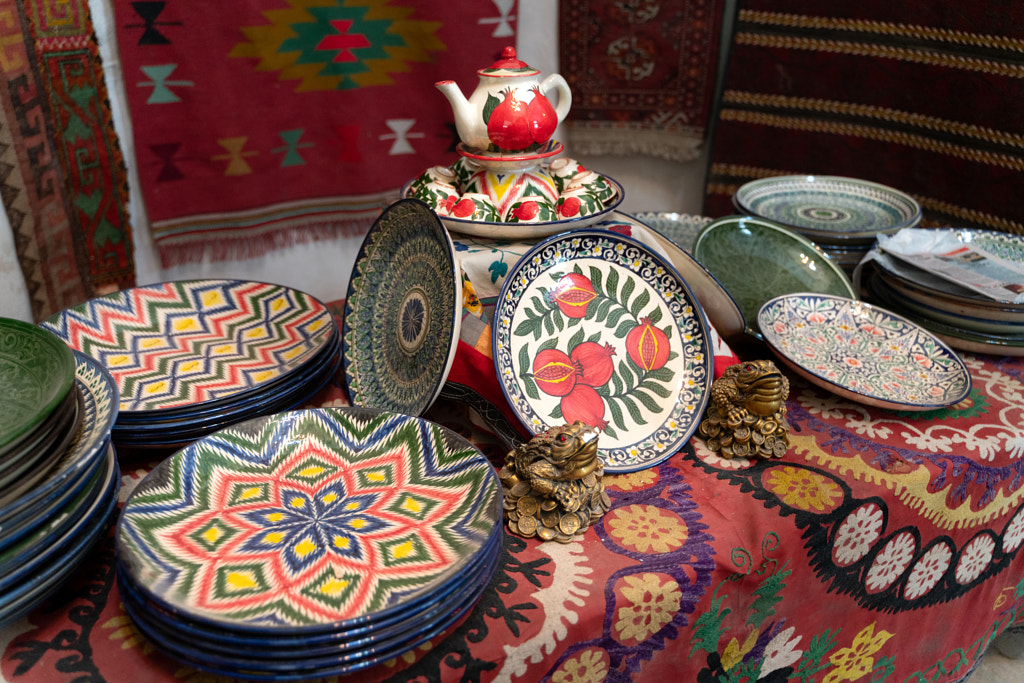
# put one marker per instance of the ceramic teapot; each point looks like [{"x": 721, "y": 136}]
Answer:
[{"x": 509, "y": 111}]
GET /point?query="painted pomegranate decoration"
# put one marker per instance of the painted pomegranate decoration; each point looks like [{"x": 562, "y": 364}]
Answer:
[
  {"x": 569, "y": 207},
  {"x": 573, "y": 294},
  {"x": 542, "y": 117},
  {"x": 526, "y": 211},
  {"x": 647, "y": 346},
  {"x": 585, "y": 404},
  {"x": 464, "y": 208},
  {"x": 554, "y": 372},
  {"x": 509, "y": 124},
  {"x": 593, "y": 361}
]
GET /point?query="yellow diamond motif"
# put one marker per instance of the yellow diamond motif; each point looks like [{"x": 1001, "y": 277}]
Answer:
[
  {"x": 412, "y": 505},
  {"x": 342, "y": 542},
  {"x": 334, "y": 587},
  {"x": 275, "y": 517},
  {"x": 212, "y": 535},
  {"x": 238, "y": 580},
  {"x": 330, "y": 498},
  {"x": 251, "y": 492},
  {"x": 311, "y": 471},
  {"x": 305, "y": 547},
  {"x": 357, "y": 523},
  {"x": 273, "y": 537},
  {"x": 298, "y": 502},
  {"x": 402, "y": 550}
]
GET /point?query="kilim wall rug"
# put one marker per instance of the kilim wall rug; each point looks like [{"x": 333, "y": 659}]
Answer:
[
  {"x": 62, "y": 177},
  {"x": 263, "y": 123},
  {"x": 926, "y": 97},
  {"x": 642, "y": 75}
]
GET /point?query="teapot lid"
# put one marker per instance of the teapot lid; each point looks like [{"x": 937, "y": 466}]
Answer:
[{"x": 509, "y": 65}]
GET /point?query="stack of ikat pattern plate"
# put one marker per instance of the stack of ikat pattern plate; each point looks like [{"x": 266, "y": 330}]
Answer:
[
  {"x": 193, "y": 356},
  {"x": 309, "y": 543}
]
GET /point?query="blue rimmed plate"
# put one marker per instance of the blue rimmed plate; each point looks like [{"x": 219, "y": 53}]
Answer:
[
  {"x": 403, "y": 311},
  {"x": 319, "y": 528},
  {"x": 596, "y": 326},
  {"x": 863, "y": 353}
]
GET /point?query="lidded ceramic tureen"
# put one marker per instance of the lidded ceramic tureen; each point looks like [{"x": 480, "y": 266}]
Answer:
[{"x": 509, "y": 112}]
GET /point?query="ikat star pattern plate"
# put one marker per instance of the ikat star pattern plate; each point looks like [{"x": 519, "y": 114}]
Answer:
[
  {"x": 595, "y": 326},
  {"x": 863, "y": 353},
  {"x": 176, "y": 345},
  {"x": 309, "y": 521}
]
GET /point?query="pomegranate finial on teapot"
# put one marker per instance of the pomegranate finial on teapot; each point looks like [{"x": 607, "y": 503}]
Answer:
[{"x": 509, "y": 112}]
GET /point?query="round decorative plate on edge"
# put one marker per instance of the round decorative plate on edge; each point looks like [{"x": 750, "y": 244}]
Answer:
[
  {"x": 681, "y": 228},
  {"x": 829, "y": 207},
  {"x": 190, "y": 343},
  {"x": 331, "y": 518},
  {"x": 38, "y": 370},
  {"x": 756, "y": 259},
  {"x": 593, "y": 325},
  {"x": 403, "y": 311},
  {"x": 523, "y": 231},
  {"x": 864, "y": 353}
]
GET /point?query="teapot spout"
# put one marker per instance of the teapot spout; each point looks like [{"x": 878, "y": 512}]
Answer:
[{"x": 472, "y": 132}]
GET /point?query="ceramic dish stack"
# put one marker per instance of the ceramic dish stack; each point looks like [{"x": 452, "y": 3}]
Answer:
[
  {"x": 193, "y": 356},
  {"x": 47, "y": 529},
  {"x": 310, "y": 543},
  {"x": 963, "y": 318},
  {"x": 841, "y": 215}
]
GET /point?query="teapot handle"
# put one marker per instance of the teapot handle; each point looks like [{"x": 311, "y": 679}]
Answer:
[{"x": 564, "y": 94}]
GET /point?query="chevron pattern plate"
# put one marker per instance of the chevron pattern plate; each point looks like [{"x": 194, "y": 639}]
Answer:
[
  {"x": 179, "y": 344},
  {"x": 309, "y": 521}
]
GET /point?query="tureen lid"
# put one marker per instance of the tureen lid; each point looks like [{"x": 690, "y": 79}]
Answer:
[{"x": 509, "y": 65}]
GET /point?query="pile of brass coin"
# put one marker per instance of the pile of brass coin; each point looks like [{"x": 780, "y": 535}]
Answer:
[
  {"x": 553, "y": 484},
  {"x": 746, "y": 416}
]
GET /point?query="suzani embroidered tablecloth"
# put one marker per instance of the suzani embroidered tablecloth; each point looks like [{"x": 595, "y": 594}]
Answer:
[
  {"x": 884, "y": 547},
  {"x": 259, "y": 123}
]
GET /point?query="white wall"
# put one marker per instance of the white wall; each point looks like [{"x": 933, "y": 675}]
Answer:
[{"x": 322, "y": 268}]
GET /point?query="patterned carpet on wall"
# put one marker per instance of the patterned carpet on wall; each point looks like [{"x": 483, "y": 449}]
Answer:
[
  {"x": 264, "y": 123},
  {"x": 642, "y": 75},
  {"x": 922, "y": 96},
  {"x": 62, "y": 177}
]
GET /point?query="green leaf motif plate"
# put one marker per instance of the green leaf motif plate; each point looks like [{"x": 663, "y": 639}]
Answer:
[
  {"x": 36, "y": 372},
  {"x": 756, "y": 259},
  {"x": 863, "y": 353},
  {"x": 309, "y": 521},
  {"x": 179, "y": 344},
  {"x": 595, "y": 326}
]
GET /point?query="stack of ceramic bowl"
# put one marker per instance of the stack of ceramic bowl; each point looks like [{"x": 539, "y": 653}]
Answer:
[
  {"x": 193, "y": 356},
  {"x": 311, "y": 543},
  {"x": 48, "y": 526},
  {"x": 963, "y": 318},
  {"x": 841, "y": 215}
]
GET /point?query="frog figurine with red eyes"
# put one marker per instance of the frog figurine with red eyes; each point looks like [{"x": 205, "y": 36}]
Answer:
[
  {"x": 746, "y": 416},
  {"x": 552, "y": 484}
]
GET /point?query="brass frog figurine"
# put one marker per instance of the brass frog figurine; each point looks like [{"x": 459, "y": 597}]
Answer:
[
  {"x": 553, "y": 484},
  {"x": 746, "y": 416}
]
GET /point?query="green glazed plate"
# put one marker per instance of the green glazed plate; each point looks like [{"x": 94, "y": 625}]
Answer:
[
  {"x": 757, "y": 259},
  {"x": 36, "y": 372}
]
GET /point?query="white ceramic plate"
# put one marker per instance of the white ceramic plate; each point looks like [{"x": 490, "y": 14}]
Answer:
[
  {"x": 863, "y": 353},
  {"x": 596, "y": 326}
]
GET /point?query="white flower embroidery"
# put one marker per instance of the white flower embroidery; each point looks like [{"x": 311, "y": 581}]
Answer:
[
  {"x": 1014, "y": 533},
  {"x": 930, "y": 441},
  {"x": 891, "y": 562},
  {"x": 869, "y": 429},
  {"x": 856, "y": 534},
  {"x": 975, "y": 558},
  {"x": 781, "y": 652},
  {"x": 928, "y": 570},
  {"x": 1014, "y": 444}
]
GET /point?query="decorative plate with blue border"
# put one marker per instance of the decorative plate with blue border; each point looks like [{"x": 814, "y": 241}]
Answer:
[{"x": 594, "y": 326}]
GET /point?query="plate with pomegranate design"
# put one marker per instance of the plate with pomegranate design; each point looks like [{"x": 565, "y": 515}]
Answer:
[{"x": 594, "y": 326}]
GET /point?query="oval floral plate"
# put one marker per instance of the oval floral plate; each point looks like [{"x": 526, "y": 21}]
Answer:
[
  {"x": 403, "y": 311},
  {"x": 311, "y": 521},
  {"x": 592, "y": 325},
  {"x": 863, "y": 353},
  {"x": 176, "y": 345}
]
